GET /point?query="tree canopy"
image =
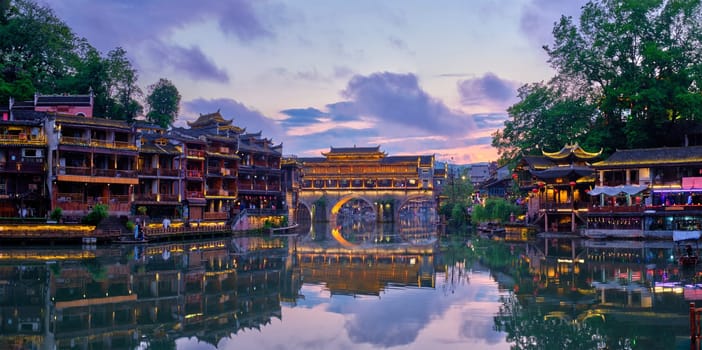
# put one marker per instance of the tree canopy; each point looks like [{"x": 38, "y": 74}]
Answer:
[
  {"x": 40, "y": 53},
  {"x": 164, "y": 103},
  {"x": 628, "y": 75}
]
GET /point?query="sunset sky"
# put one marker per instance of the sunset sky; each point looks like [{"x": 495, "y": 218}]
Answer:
[{"x": 415, "y": 77}]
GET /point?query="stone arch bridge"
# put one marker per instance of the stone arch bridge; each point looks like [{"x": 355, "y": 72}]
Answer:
[{"x": 324, "y": 205}]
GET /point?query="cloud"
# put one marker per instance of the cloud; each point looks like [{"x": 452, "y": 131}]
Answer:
[
  {"x": 539, "y": 16},
  {"x": 243, "y": 116},
  {"x": 158, "y": 18},
  {"x": 488, "y": 89},
  {"x": 239, "y": 18},
  {"x": 302, "y": 116},
  {"x": 190, "y": 61},
  {"x": 491, "y": 121},
  {"x": 393, "y": 98}
]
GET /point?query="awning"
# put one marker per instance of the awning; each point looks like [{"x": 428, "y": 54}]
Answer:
[{"x": 616, "y": 190}]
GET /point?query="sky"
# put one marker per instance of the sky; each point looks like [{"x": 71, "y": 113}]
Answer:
[{"x": 411, "y": 76}]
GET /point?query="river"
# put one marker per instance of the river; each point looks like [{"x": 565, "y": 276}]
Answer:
[{"x": 352, "y": 286}]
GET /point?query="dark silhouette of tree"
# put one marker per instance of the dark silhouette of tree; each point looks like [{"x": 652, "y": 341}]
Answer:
[{"x": 164, "y": 102}]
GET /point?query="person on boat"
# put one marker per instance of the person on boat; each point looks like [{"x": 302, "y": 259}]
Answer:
[{"x": 688, "y": 248}]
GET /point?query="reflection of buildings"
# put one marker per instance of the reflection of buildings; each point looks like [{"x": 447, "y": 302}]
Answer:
[
  {"x": 150, "y": 295},
  {"x": 356, "y": 263},
  {"x": 115, "y": 298},
  {"x": 576, "y": 280}
]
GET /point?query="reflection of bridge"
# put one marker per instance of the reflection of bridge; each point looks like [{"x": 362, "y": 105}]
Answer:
[
  {"x": 325, "y": 205},
  {"x": 387, "y": 184}
]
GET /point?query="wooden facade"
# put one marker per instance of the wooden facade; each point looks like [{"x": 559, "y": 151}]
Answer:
[
  {"x": 367, "y": 168},
  {"x": 556, "y": 183}
]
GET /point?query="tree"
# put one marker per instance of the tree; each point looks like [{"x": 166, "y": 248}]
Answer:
[
  {"x": 641, "y": 62},
  {"x": 546, "y": 117},
  {"x": 122, "y": 89},
  {"x": 35, "y": 49},
  {"x": 164, "y": 102},
  {"x": 628, "y": 74}
]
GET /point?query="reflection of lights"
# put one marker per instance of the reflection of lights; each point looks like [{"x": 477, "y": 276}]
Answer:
[{"x": 336, "y": 234}]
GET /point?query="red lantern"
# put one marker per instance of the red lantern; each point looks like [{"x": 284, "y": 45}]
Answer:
[
  {"x": 515, "y": 176},
  {"x": 572, "y": 183},
  {"x": 535, "y": 190},
  {"x": 541, "y": 184}
]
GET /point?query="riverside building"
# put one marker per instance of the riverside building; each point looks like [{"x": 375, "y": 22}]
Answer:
[{"x": 55, "y": 154}]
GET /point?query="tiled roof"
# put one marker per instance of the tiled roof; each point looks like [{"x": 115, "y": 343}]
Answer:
[
  {"x": 573, "y": 150},
  {"x": 335, "y": 150},
  {"x": 79, "y": 120},
  {"x": 67, "y": 100},
  {"x": 652, "y": 157},
  {"x": 563, "y": 172},
  {"x": 538, "y": 162}
]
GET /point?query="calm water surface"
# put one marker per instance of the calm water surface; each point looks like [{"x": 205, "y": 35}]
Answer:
[{"x": 356, "y": 286}]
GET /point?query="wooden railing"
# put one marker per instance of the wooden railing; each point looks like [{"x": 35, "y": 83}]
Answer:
[
  {"x": 86, "y": 171},
  {"x": 216, "y": 215},
  {"x": 97, "y": 143},
  {"x": 23, "y": 139},
  {"x": 194, "y": 194},
  {"x": 193, "y": 173}
]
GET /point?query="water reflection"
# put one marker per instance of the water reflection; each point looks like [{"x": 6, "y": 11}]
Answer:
[{"x": 350, "y": 285}]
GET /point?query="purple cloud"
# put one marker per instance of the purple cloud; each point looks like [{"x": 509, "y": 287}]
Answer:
[
  {"x": 539, "y": 16},
  {"x": 490, "y": 88},
  {"x": 157, "y": 18},
  {"x": 243, "y": 116},
  {"x": 398, "y": 99},
  {"x": 191, "y": 61},
  {"x": 302, "y": 116},
  {"x": 239, "y": 18}
]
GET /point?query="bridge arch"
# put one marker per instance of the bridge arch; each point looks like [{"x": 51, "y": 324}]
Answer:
[{"x": 334, "y": 210}]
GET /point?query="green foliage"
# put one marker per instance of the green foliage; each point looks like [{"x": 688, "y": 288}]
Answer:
[
  {"x": 628, "y": 75},
  {"x": 163, "y": 101},
  {"x": 40, "y": 53},
  {"x": 458, "y": 189},
  {"x": 130, "y": 225},
  {"x": 96, "y": 215},
  {"x": 141, "y": 210},
  {"x": 56, "y": 214},
  {"x": 496, "y": 210}
]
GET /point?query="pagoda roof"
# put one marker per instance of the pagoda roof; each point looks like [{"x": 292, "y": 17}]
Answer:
[
  {"x": 208, "y": 119},
  {"x": 567, "y": 171},
  {"x": 353, "y": 150},
  {"x": 214, "y": 120},
  {"x": 672, "y": 156},
  {"x": 572, "y": 151}
]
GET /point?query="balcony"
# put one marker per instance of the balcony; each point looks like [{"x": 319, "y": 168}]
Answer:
[
  {"x": 82, "y": 141},
  {"x": 112, "y": 144},
  {"x": 195, "y": 153},
  {"x": 168, "y": 197},
  {"x": 94, "y": 172},
  {"x": 23, "y": 139},
  {"x": 193, "y": 173},
  {"x": 28, "y": 166},
  {"x": 148, "y": 171},
  {"x": 221, "y": 192},
  {"x": 194, "y": 194},
  {"x": 169, "y": 172}
]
